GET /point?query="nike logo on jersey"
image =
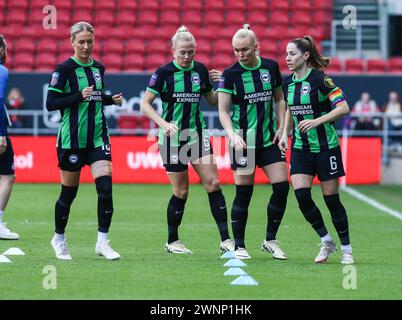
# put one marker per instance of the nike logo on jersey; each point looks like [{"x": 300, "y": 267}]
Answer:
[{"x": 332, "y": 173}]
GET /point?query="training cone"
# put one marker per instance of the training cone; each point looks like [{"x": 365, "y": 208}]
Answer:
[
  {"x": 244, "y": 281},
  {"x": 228, "y": 255},
  {"x": 4, "y": 259},
  {"x": 235, "y": 263},
  {"x": 235, "y": 272},
  {"x": 14, "y": 252}
]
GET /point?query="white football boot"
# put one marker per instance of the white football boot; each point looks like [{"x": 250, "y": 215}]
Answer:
[
  {"x": 177, "y": 247},
  {"x": 6, "y": 234},
  {"x": 61, "y": 249},
  {"x": 242, "y": 254},
  {"x": 227, "y": 245},
  {"x": 104, "y": 249},
  {"x": 326, "y": 248},
  {"x": 272, "y": 246}
]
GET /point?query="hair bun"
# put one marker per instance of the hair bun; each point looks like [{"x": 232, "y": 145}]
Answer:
[{"x": 246, "y": 26}]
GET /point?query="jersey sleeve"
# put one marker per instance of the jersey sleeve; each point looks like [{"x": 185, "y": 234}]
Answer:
[
  {"x": 155, "y": 84},
  {"x": 226, "y": 83},
  {"x": 58, "y": 79},
  {"x": 278, "y": 76},
  {"x": 207, "y": 88},
  {"x": 327, "y": 87}
]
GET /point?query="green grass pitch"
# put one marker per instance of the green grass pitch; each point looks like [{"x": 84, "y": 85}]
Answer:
[{"x": 146, "y": 272}]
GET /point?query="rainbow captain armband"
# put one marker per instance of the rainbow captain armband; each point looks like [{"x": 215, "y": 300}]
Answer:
[{"x": 336, "y": 96}]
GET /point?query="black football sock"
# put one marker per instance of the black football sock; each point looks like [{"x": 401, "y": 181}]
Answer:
[
  {"x": 175, "y": 213},
  {"x": 339, "y": 217},
  {"x": 239, "y": 215},
  {"x": 219, "y": 212},
  {"x": 105, "y": 202},
  {"x": 62, "y": 207},
  {"x": 276, "y": 208}
]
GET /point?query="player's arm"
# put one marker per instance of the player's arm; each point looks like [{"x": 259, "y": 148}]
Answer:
[
  {"x": 281, "y": 110},
  {"x": 212, "y": 96},
  {"x": 287, "y": 126},
  {"x": 3, "y": 82},
  {"x": 146, "y": 108},
  {"x": 224, "y": 117},
  {"x": 108, "y": 99},
  {"x": 340, "y": 109},
  {"x": 58, "y": 100}
]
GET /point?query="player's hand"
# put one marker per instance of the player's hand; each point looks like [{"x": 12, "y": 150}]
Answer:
[
  {"x": 215, "y": 75},
  {"x": 3, "y": 144},
  {"x": 170, "y": 129},
  {"x": 118, "y": 99},
  {"x": 238, "y": 142},
  {"x": 87, "y": 92},
  {"x": 278, "y": 136},
  {"x": 306, "y": 125},
  {"x": 283, "y": 144}
]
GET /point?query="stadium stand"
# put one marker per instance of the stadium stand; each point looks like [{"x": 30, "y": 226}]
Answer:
[{"x": 146, "y": 26}]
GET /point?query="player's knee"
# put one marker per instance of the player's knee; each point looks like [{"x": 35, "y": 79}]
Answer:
[
  {"x": 303, "y": 196},
  {"x": 9, "y": 180},
  {"x": 104, "y": 186},
  {"x": 212, "y": 185},
  {"x": 67, "y": 195}
]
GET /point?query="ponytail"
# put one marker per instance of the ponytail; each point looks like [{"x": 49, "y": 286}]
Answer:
[
  {"x": 182, "y": 34},
  {"x": 316, "y": 60}
]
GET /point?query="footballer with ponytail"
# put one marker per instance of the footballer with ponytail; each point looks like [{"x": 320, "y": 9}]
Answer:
[{"x": 314, "y": 103}]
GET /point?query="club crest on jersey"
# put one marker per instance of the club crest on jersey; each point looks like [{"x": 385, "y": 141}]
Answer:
[
  {"x": 73, "y": 158},
  {"x": 97, "y": 76},
  {"x": 195, "y": 78},
  {"x": 265, "y": 77},
  {"x": 152, "y": 81},
  {"x": 305, "y": 89},
  {"x": 55, "y": 78},
  {"x": 328, "y": 82},
  {"x": 243, "y": 161},
  {"x": 174, "y": 158}
]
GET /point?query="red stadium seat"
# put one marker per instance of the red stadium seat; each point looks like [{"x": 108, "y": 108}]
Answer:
[
  {"x": 37, "y": 5},
  {"x": 236, "y": 18},
  {"x": 279, "y": 6},
  {"x": 81, "y": 14},
  {"x": 106, "y": 5},
  {"x": 104, "y": 18},
  {"x": 113, "y": 45},
  {"x": 280, "y": 18},
  {"x": 376, "y": 66},
  {"x": 112, "y": 61},
  {"x": 134, "y": 46},
  {"x": 61, "y": 4},
  {"x": 335, "y": 66},
  {"x": 148, "y": 17},
  {"x": 127, "y": 18},
  {"x": 257, "y": 17},
  {"x": 301, "y": 19},
  {"x": 46, "y": 61},
  {"x": 18, "y": 4},
  {"x": 126, "y": 5},
  {"x": 203, "y": 58},
  {"x": 154, "y": 61},
  {"x": 257, "y": 5},
  {"x": 45, "y": 45},
  {"x": 301, "y": 6},
  {"x": 214, "y": 5},
  {"x": 204, "y": 47},
  {"x": 395, "y": 65},
  {"x": 192, "y": 18},
  {"x": 170, "y": 17},
  {"x": 236, "y": 5},
  {"x": 322, "y": 5},
  {"x": 134, "y": 61},
  {"x": 214, "y": 18},
  {"x": 354, "y": 66},
  {"x": 16, "y": 16},
  {"x": 23, "y": 61},
  {"x": 152, "y": 5},
  {"x": 84, "y": 5},
  {"x": 157, "y": 46},
  {"x": 223, "y": 61},
  {"x": 192, "y": 5},
  {"x": 25, "y": 45},
  {"x": 223, "y": 46},
  {"x": 171, "y": 5}
]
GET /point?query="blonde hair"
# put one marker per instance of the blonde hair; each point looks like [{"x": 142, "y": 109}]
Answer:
[
  {"x": 245, "y": 32},
  {"x": 79, "y": 27},
  {"x": 182, "y": 34},
  {"x": 316, "y": 60}
]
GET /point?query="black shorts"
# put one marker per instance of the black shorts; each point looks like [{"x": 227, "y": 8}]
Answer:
[
  {"x": 250, "y": 158},
  {"x": 7, "y": 160},
  {"x": 327, "y": 165},
  {"x": 177, "y": 158},
  {"x": 75, "y": 159}
]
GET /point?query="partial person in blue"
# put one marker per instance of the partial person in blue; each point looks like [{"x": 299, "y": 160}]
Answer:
[{"x": 7, "y": 174}]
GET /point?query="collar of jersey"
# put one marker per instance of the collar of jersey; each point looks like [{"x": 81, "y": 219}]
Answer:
[
  {"x": 253, "y": 68},
  {"x": 302, "y": 79},
  {"x": 82, "y": 64},
  {"x": 184, "y": 69}
]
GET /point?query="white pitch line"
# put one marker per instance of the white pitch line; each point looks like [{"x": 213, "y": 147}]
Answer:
[{"x": 372, "y": 202}]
